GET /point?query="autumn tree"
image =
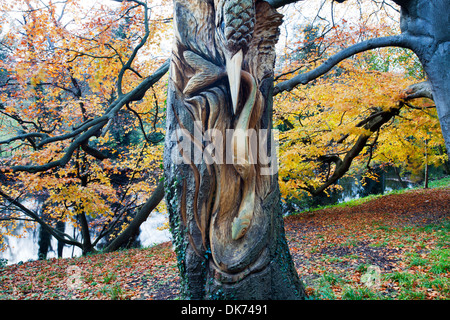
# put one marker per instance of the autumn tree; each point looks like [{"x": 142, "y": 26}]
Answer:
[
  {"x": 423, "y": 30},
  {"x": 364, "y": 114},
  {"x": 75, "y": 89}
]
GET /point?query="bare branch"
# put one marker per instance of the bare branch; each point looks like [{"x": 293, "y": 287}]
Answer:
[
  {"x": 402, "y": 40},
  {"x": 94, "y": 127},
  {"x": 25, "y": 136},
  {"x": 128, "y": 64},
  {"x": 419, "y": 90},
  {"x": 142, "y": 215}
]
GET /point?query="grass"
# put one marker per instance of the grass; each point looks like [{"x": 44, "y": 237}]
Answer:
[
  {"x": 419, "y": 275},
  {"x": 433, "y": 184},
  {"x": 441, "y": 183},
  {"x": 406, "y": 233}
]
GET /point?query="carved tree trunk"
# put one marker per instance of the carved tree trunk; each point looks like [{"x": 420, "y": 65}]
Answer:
[
  {"x": 428, "y": 22},
  {"x": 221, "y": 190}
]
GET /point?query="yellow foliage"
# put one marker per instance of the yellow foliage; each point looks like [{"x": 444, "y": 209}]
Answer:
[{"x": 65, "y": 73}]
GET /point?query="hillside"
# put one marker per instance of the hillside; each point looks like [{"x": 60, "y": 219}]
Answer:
[{"x": 403, "y": 237}]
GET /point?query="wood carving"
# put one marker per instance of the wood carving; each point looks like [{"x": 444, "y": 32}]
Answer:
[{"x": 220, "y": 80}]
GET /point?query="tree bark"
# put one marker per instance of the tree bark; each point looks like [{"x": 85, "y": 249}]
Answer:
[
  {"x": 223, "y": 201},
  {"x": 87, "y": 246}
]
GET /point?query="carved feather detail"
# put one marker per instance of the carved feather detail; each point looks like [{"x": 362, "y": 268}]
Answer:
[{"x": 239, "y": 21}]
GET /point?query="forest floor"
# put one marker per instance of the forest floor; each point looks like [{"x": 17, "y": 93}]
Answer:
[{"x": 392, "y": 247}]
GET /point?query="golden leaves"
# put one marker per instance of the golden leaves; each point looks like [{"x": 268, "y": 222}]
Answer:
[
  {"x": 327, "y": 116},
  {"x": 63, "y": 67}
]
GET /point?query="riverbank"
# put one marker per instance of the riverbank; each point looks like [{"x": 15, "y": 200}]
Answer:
[{"x": 394, "y": 247}]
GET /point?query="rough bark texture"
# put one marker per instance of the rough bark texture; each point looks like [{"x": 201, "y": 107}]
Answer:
[
  {"x": 225, "y": 215},
  {"x": 428, "y": 22}
]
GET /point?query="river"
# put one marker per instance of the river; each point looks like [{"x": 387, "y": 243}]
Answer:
[{"x": 26, "y": 248}]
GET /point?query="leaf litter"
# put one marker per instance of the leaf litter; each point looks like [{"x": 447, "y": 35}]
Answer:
[{"x": 404, "y": 237}]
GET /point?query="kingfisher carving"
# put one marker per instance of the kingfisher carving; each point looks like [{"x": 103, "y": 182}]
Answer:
[
  {"x": 220, "y": 79},
  {"x": 235, "y": 22}
]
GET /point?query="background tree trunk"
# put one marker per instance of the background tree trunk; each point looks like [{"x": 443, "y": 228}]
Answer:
[
  {"x": 225, "y": 215},
  {"x": 428, "y": 22}
]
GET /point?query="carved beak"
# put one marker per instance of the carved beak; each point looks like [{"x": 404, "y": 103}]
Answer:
[{"x": 234, "y": 66}]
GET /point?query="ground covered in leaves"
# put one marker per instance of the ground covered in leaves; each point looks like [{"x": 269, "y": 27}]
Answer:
[{"x": 393, "y": 247}]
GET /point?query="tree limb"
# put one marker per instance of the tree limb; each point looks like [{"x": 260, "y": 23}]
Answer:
[
  {"x": 402, "y": 40},
  {"x": 373, "y": 123},
  {"x": 419, "y": 90},
  {"x": 56, "y": 233},
  {"x": 94, "y": 127},
  {"x": 128, "y": 64},
  {"x": 280, "y": 3}
]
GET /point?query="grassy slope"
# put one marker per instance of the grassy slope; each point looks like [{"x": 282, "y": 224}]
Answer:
[{"x": 404, "y": 236}]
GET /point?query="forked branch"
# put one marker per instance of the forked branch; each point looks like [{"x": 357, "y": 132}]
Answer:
[{"x": 90, "y": 128}]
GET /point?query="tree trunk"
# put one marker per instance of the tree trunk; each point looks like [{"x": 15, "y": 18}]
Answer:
[
  {"x": 428, "y": 22},
  {"x": 44, "y": 243},
  {"x": 221, "y": 190},
  {"x": 84, "y": 226},
  {"x": 60, "y": 226},
  {"x": 438, "y": 72}
]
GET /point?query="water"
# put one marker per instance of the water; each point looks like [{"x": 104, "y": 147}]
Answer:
[
  {"x": 150, "y": 235},
  {"x": 26, "y": 248},
  {"x": 351, "y": 188}
]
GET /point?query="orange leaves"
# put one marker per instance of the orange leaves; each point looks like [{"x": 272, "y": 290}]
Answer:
[
  {"x": 131, "y": 274},
  {"x": 329, "y": 114},
  {"x": 62, "y": 67},
  {"x": 399, "y": 236}
]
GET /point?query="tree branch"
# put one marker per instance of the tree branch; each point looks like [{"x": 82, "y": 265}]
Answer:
[
  {"x": 280, "y": 3},
  {"x": 24, "y": 136},
  {"x": 373, "y": 123},
  {"x": 402, "y": 40},
  {"x": 94, "y": 127},
  {"x": 419, "y": 90},
  {"x": 56, "y": 233},
  {"x": 128, "y": 64},
  {"x": 141, "y": 216},
  {"x": 343, "y": 165}
]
